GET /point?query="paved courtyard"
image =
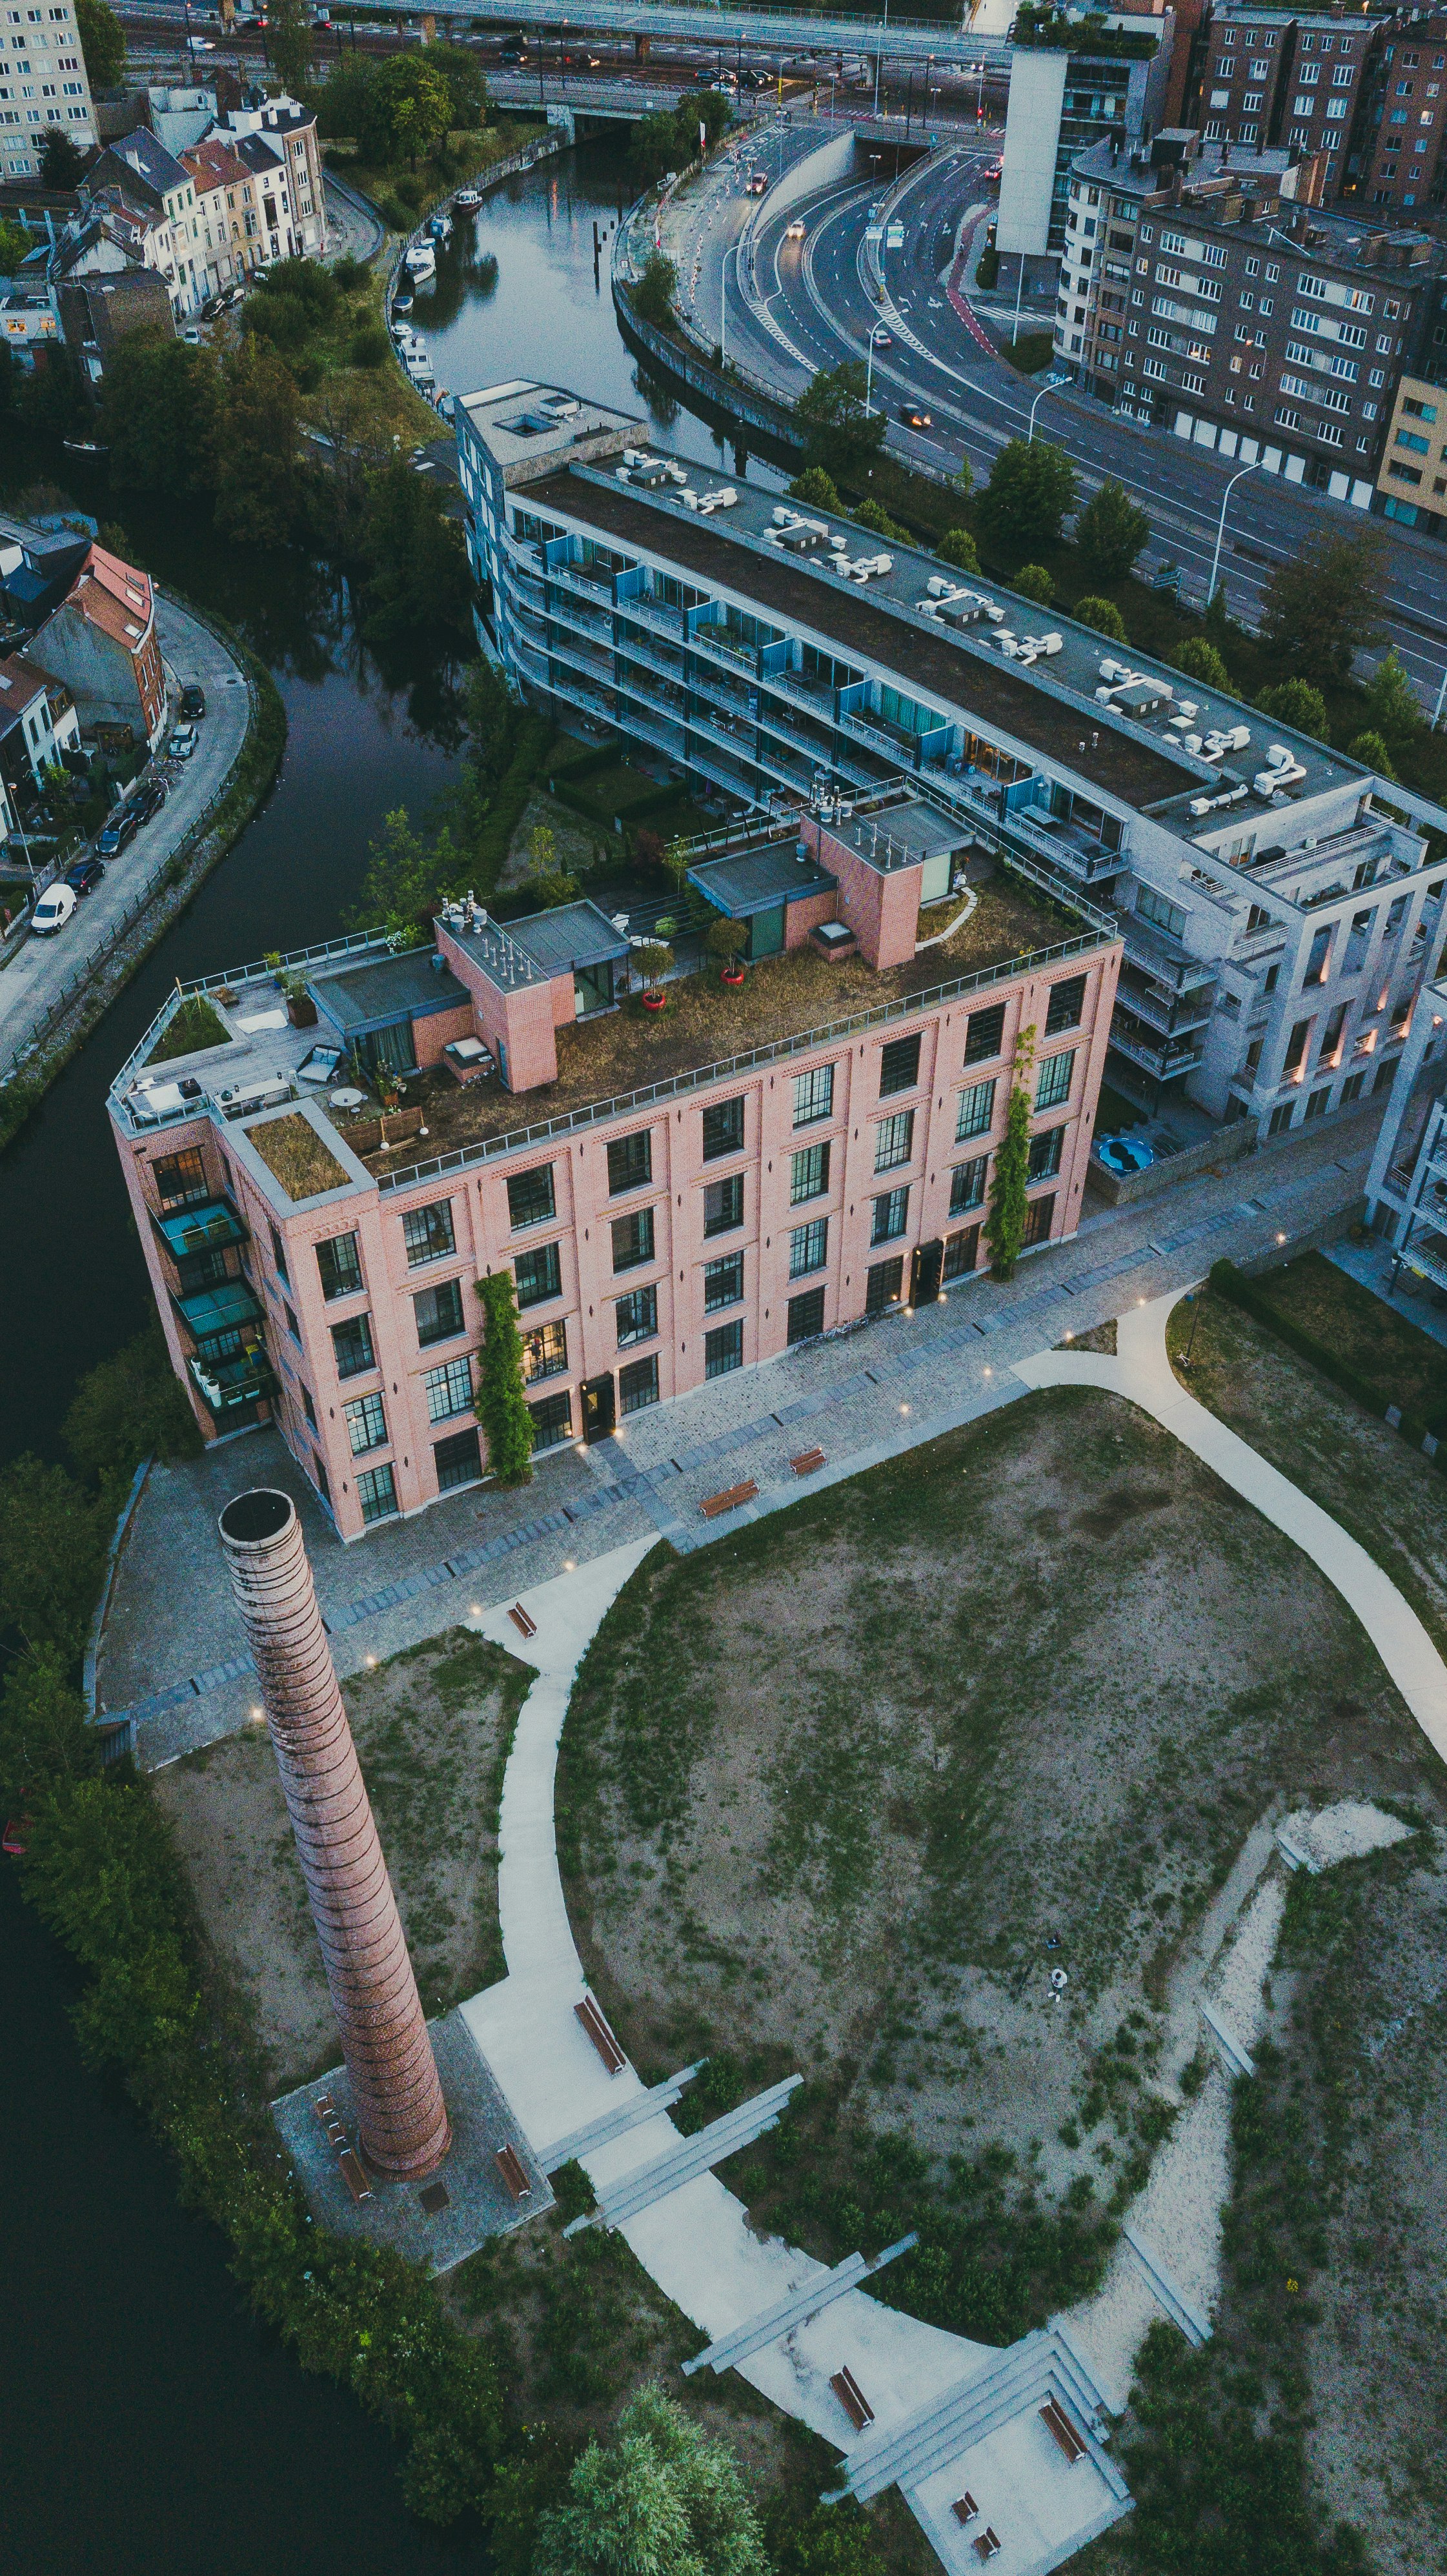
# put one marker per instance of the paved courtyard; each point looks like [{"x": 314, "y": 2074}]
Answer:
[{"x": 173, "y": 1654}]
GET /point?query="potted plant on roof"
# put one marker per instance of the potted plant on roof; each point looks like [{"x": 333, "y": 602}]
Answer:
[
  {"x": 653, "y": 959},
  {"x": 301, "y": 1010},
  {"x": 727, "y": 941}
]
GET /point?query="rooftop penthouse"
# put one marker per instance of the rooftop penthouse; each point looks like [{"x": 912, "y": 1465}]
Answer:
[{"x": 639, "y": 1168}]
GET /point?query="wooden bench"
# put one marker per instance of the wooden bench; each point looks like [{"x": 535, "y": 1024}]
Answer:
[
  {"x": 1061, "y": 2431},
  {"x": 349, "y": 2166},
  {"x": 600, "y": 2035},
  {"x": 514, "y": 2173},
  {"x": 852, "y": 2398},
  {"x": 730, "y": 1500},
  {"x": 521, "y": 1619},
  {"x": 965, "y": 2508},
  {"x": 808, "y": 1462},
  {"x": 986, "y": 2544}
]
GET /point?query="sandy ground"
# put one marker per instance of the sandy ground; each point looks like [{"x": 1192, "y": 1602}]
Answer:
[
  {"x": 432, "y": 1728},
  {"x": 848, "y": 1790}
]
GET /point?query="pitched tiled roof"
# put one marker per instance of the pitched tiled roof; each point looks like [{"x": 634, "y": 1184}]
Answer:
[{"x": 113, "y": 596}]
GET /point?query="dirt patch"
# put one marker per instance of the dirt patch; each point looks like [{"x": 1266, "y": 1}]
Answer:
[
  {"x": 576, "y": 849},
  {"x": 843, "y": 1792},
  {"x": 432, "y": 1730}
]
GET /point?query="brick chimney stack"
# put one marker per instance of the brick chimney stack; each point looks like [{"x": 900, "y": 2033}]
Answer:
[{"x": 400, "y": 2111}]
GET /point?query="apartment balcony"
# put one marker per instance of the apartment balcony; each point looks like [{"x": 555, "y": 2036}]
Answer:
[
  {"x": 1425, "y": 1254},
  {"x": 227, "y": 1386},
  {"x": 209, "y": 1314},
  {"x": 1162, "y": 958},
  {"x": 1171, "y": 1013},
  {"x": 1165, "y": 1058},
  {"x": 1077, "y": 854},
  {"x": 199, "y": 1229}
]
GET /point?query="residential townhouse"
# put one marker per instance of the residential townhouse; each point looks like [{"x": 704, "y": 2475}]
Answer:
[
  {"x": 43, "y": 83},
  {"x": 1199, "y": 292},
  {"x": 100, "y": 640},
  {"x": 245, "y": 194},
  {"x": 38, "y": 725}
]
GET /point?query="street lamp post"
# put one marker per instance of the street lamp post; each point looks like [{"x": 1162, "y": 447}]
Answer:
[
  {"x": 1221, "y": 529},
  {"x": 1047, "y": 388},
  {"x": 875, "y": 332}
]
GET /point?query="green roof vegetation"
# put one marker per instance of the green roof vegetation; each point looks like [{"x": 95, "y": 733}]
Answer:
[
  {"x": 294, "y": 1153},
  {"x": 194, "y": 1026}
]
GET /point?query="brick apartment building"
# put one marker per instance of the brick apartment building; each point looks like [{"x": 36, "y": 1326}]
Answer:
[
  {"x": 1200, "y": 292},
  {"x": 1398, "y": 160},
  {"x": 1270, "y": 82}
]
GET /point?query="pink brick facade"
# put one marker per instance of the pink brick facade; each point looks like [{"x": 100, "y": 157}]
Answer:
[{"x": 680, "y": 1195}]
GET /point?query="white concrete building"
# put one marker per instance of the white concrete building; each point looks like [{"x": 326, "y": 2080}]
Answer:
[{"x": 42, "y": 83}]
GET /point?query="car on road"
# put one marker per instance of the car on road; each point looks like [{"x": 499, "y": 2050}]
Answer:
[
  {"x": 201, "y": 45},
  {"x": 118, "y": 834},
  {"x": 182, "y": 743},
  {"x": 148, "y": 800},
  {"x": 193, "y": 702},
  {"x": 85, "y": 876},
  {"x": 796, "y": 230},
  {"x": 882, "y": 339},
  {"x": 55, "y": 908},
  {"x": 914, "y": 419}
]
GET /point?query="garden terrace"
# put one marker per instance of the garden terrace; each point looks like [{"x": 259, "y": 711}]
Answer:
[{"x": 785, "y": 1002}]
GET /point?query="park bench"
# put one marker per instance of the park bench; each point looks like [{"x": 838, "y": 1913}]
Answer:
[
  {"x": 523, "y": 1619},
  {"x": 600, "y": 2035},
  {"x": 349, "y": 2166},
  {"x": 1062, "y": 2432},
  {"x": 986, "y": 2544},
  {"x": 807, "y": 1462},
  {"x": 729, "y": 1500},
  {"x": 852, "y": 2398},
  {"x": 965, "y": 2508},
  {"x": 514, "y": 2172}
]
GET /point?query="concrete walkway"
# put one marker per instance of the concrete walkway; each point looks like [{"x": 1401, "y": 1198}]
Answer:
[{"x": 1142, "y": 1373}]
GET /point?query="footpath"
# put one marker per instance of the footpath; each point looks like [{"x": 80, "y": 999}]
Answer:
[
  {"x": 173, "y": 1660},
  {"x": 39, "y": 976}
]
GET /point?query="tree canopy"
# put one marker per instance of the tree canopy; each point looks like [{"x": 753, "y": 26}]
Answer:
[
  {"x": 1104, "y": 616},
  {"x": 656, "y": 288},
  {"x": 406, "y": 109},
  {"x": 1296, "y": 702},
  {"x": 659, "y": 2499},
  {"x": 290, "y": 41},
  {"x": 102, "y": 43},
  {"x": 1110, "y": 532},
  {"x": 841, "y": 435},
  {"x": 1031, "y": 488},
  {"x": 1321, "y": 606},
  {"x": 62, "y": 162},
  {"x": 1200, "y": 660}
]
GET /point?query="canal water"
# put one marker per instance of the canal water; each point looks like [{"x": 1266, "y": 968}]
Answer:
[{"x": 152, "y": 2428}]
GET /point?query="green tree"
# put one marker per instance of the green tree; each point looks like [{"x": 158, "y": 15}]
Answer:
[
  {"x": 706, "y": 107},
  {"x": 816, "y": 490},
  {"x": 62, "y": 163},
  {"x": 841, "y": 436},
  {"x": 958, "y": 547},
  {"x": 1321, "y": 607},
  {"x": 1296, "y": 702},
  {"x": 417, "y": 593},
  {"x": 290, "y": 42},
  {"x": 501, "y": 1403},
  {"x": 408, "y": 879},
  {"x": 1104, "y": 616},
  {"x": 660, "y": 2499},
  {"x": 1005, "y": 1220},
  {"x": 127, "y": 1406},
  {"x": 16, "y": 244},
  {"x": 53, "y": 1540},
  {"x": 656, "y": 288},
  {"x": 406, "y": 109},
  {"x": 653, "y": 148},
  {"x": 726, "y": 939},
  {"x": 44, "y": 1737},
  {"x": 1391, "y": 699},
  {"x": 466, "y": 88},
  {"x": 1030, "y": 490},
  {"x": 1201, "y": 661},
  {"x": 879, "y": 523},
  {"x": 1372, "y": 752},
  {"x": 102, "y": 42},
  {"x": 160, "y": 407},
  {"x": 1110, "y": 532},
  {"x": 653, "y": 957},
  {"x": 1033, "y": 582},
  {"x": 830, "y": 2540},
  {"x": 256, "y": 452}
]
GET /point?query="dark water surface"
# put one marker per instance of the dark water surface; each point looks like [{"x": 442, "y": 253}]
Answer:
[{"x": 151, "y": 2429}]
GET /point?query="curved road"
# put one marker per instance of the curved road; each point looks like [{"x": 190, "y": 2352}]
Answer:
[{"x": 811, "y": 304}]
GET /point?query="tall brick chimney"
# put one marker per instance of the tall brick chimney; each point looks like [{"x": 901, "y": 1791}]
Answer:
[{"x": 400, "y": 2111}]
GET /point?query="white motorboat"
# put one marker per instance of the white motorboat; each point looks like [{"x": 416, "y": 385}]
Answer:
[
  {"x": 420, "y": 260},
  {"x": 467, "y": 200}
]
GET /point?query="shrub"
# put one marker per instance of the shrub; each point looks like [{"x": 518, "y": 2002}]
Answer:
[
  {"x": 1005, "y": 1221},
  {"x": 1110, "y": 532},
  {"x": 656, "y": 288},
  {"x": 958, "y": 547},
  {"x": 1372, "y": 752},
  {"x": 815, "y": 489},
  {"x": 1201, "y": 661},
  {"x": 369, "y": 347},
  {"x": 1104, "y": 616},
  {"x": 501, "y": 1404},
  {"x": 727, "y": 939},
  {"x": 987, "y": 274},
  {"x": 1033, "y": 582},
  {"x": 1296, "y": 702}
]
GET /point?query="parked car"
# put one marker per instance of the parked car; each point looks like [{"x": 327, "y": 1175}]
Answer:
[
  {"x": 148, "y": 800},
  {"x": 191, "y": 336},
  {"x": 118, "y": 834},
  {"x": 182, "y": 743},
  {"x": 85, "y": 876},
  {"x": 55, "y": 908},
  {"x": 193, "y": 702}
]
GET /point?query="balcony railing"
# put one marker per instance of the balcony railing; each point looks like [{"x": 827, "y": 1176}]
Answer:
[
  {"x": 1165, "y": 1062},
  {"x": 226, "y": 1384},
  {"x": 1168, "y": 1013},
  {"x": 199, "y": 1229}
]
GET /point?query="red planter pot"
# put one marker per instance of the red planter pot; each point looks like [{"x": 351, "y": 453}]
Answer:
[
  {"x": 732, "y": 975},
  {"x": 655, "y": 1001}
]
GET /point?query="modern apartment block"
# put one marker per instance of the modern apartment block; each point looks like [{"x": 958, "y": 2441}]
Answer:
[
  {"x": 1200, "y": 293},
  {"x": 675, "y": 1194},
  {"x": 43, "y": 83},
  {"x": 1070, "y": 86},
  {"x": 1413, "y": 476}
]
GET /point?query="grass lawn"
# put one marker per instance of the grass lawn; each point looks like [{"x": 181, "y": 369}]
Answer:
[
  {"x": 194, "y": 1026},
  {"x": 836, "y": 1795},
  {"x": 1405, "y": 1366}
]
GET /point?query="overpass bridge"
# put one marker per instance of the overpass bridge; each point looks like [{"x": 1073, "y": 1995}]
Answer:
[{"x": 764, "y": 30}]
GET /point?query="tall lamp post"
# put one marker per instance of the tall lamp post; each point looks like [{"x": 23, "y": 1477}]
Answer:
[
  {"x": 876, "y": 332},
  {"x": 1221, "y": 529},
  {"x": 1047, "y": 388}
]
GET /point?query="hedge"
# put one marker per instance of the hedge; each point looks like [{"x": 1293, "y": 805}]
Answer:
[{"x": 1238, "y": 1290}]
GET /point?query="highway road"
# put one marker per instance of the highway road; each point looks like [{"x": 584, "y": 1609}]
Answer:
[{"x": 800, "y": 305}]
